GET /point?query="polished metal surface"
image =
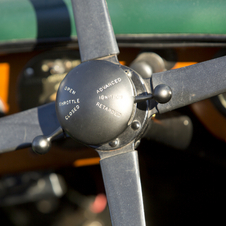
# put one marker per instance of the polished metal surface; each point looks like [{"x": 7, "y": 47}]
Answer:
[{"x": 95, "y": 102}]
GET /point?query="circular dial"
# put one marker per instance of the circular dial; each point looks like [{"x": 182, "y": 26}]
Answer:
[
  {"x": 40, "y": 78},
  {"x": 95, "y": 102}
]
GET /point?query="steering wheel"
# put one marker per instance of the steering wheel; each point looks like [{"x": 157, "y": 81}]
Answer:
[{"x": 108, "y": 106}]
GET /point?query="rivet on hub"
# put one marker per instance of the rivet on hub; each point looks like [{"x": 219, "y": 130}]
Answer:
[
  {"x": 114, "y": 143},
  {"x": 128, "y": 72},
  {"x": 136, "y": 125}
]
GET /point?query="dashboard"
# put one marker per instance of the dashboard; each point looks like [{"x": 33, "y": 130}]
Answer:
[
  {"x": 30, "y": 79},
  {"x": 182, "y": 155}
]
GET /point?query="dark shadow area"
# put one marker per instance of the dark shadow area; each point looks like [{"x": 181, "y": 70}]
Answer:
[
  {"x": 184, "y": 187},
  {"x": 47, "y": 118},
  {"x": 53, "y": 19}
]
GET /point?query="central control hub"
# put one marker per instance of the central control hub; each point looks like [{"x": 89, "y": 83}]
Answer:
[{"x": 95, "y": 102}]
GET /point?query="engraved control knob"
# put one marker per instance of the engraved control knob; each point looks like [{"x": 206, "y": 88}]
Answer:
[{"x": 95, "y": 102}]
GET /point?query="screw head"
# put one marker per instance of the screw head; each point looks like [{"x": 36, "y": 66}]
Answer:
[
  {"x": 114, "y": 143},
  {"x": 136, "y": 125}
]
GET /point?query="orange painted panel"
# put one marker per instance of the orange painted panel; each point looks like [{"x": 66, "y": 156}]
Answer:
[{"x": 4, "y": 84}]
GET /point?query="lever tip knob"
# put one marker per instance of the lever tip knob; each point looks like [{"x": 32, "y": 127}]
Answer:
[
  {"x": 162, "y": 93},
  {"x": 41, "y": 145}
]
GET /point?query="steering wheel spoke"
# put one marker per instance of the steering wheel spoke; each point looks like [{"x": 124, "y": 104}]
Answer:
[
  {"x": 18, "y": 131},
  {"x": 105, "y": 105},
  {"x": 191, "y": 84},
  {"x": 94, "y": 30},
  {"x": 120, "y": 170}
]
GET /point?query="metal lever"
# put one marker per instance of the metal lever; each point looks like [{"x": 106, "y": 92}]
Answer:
[
  {"x": 162, "y": 94},
  {"x": 42, "y": 144}
]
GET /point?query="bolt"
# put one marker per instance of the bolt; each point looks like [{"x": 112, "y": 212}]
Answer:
[
  {"x": 114, "y": 143},
  {"x": 135, "y": 125}
]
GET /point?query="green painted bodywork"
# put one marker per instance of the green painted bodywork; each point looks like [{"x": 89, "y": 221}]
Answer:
[{"x": 19, "y": 21}]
